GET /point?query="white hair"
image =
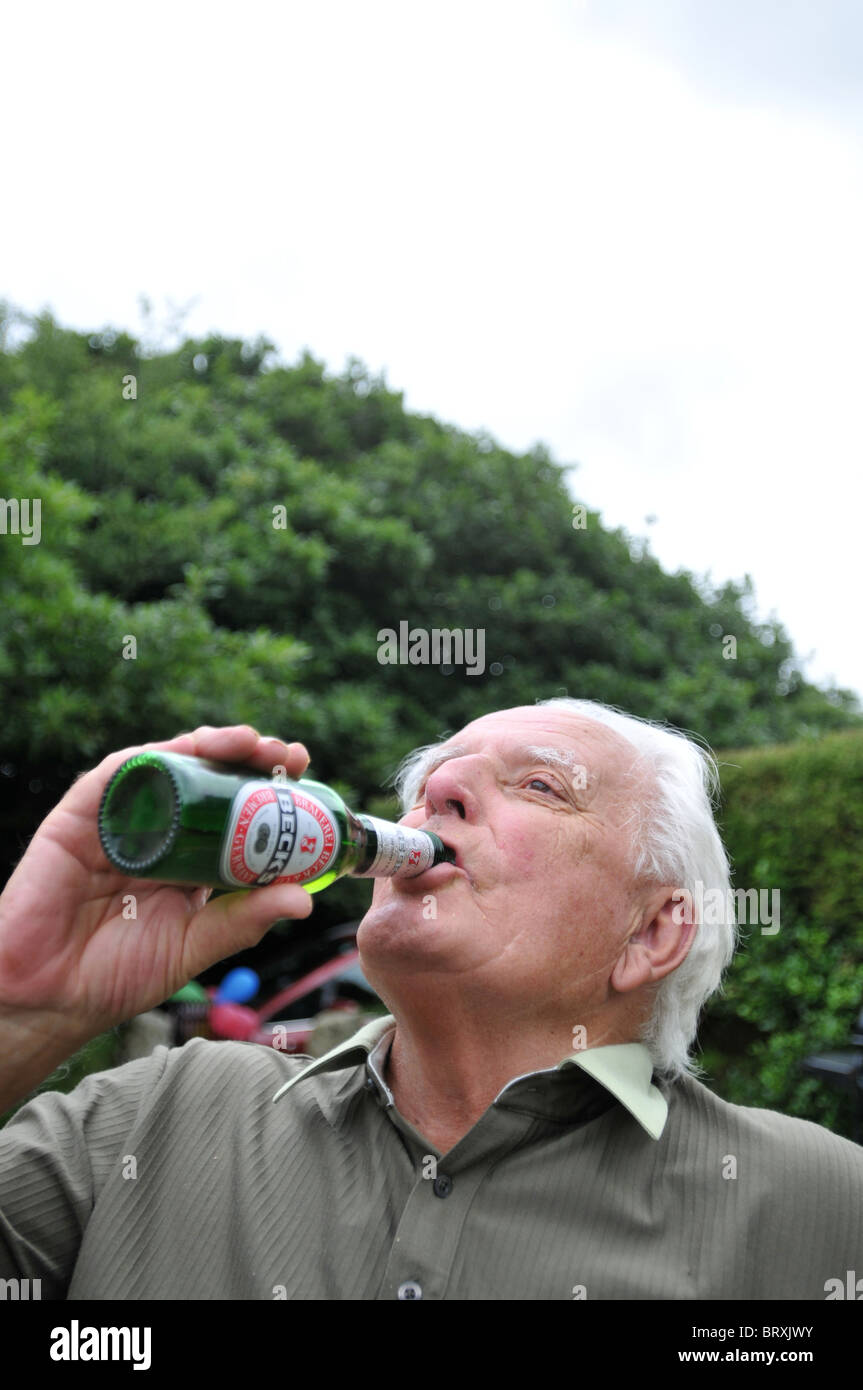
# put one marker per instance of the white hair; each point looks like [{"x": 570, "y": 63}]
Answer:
[{"x": 674, "y": 841}]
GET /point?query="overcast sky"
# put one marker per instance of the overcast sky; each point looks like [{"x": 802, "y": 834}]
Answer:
[{"x": 630, "y": 229}]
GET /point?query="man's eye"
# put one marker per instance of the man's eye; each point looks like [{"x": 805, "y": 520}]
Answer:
[{"x": 549, "y": 786}]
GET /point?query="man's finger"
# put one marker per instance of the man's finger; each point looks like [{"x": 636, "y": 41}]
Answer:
[
  {"x": 243, "y": 744},
  {"x": 236, "y": 921}
]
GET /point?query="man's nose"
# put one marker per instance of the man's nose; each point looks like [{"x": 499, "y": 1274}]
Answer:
[{"x": 452, "y": 790}]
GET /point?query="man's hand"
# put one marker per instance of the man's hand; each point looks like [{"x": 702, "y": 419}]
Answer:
[{"x": 70, "y": 963}]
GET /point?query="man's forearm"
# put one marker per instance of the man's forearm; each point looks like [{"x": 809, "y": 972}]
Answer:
[{"x": 32, "y": 1045}]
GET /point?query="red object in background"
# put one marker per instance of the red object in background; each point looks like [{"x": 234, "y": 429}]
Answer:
[
  {"x": 315, "y": 978},
  {"x": 235, "y": 1021},
  {"x": 239, "y": 1023}
]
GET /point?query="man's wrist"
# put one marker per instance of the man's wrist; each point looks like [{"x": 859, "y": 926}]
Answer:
[{"x": 32, "y": 1045}]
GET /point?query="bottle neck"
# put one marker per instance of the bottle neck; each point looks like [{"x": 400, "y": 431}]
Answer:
[{"x": 397, "y": 851}]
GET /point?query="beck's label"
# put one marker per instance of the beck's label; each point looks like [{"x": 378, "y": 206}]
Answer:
[
  {"x": 276, "y": 834},
  {"x": 401, "y": 851}
]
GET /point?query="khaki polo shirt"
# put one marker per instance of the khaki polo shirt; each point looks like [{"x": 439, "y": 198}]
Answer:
[{"x": 177, "y": 1177}]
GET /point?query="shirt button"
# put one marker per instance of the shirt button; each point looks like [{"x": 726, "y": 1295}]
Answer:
[
  {"x": 370, "y": 1085},
  {"x": 410, "y": 1289},
  {"x": 442, "y": 1186}
]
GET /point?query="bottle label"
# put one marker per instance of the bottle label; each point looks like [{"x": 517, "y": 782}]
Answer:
[
  {"x": 276, "y": 834},
  {"x": 401, "y": 853}
]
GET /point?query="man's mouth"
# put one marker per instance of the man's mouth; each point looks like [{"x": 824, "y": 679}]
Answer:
[
  {"x": 455, "y": 852},
  {"x": 448, "y": 870}
]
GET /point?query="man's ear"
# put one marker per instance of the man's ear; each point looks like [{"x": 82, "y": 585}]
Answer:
[{"x": 660, "y": 943}]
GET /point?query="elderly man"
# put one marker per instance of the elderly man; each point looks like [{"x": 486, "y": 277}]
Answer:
[{"x": 525, "y": 1124}]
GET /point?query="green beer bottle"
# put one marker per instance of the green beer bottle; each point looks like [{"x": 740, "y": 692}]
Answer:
[{"x": 179, "y": 819}]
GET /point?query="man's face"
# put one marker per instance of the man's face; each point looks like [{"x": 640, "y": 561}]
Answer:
[{"x": 542, "y": 899}]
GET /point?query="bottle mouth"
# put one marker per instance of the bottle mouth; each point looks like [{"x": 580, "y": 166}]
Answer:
[{"x": 139, "y": 815}]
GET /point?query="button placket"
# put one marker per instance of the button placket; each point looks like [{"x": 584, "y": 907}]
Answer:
[{"x": 429, "y": 1231}]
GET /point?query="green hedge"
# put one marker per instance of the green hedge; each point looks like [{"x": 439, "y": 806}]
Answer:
[{"x": 792, "y": 819}]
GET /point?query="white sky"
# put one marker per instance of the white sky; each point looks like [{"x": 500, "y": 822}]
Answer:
[{"x": 626, "y": 228}]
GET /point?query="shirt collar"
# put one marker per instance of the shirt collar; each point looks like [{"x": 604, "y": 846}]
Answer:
[{"x": 624, "y": 1069}]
